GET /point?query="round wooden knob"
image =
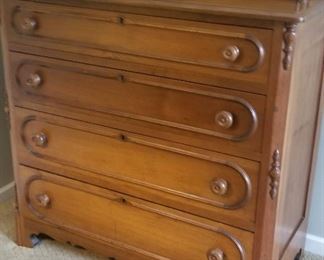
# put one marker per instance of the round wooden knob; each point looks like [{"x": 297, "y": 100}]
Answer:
[
  {"x": 231, "y": 53},
  {"x": 29, "y": 24},
  {"x": 43, "y": 200},
  {"x": 216, "y": 254},
  {"x": 225, "y": 119},
  {"x": 220, "y": 187},
  {"x": 34, "y": 80},
  {"x": 40, "y": 140}
]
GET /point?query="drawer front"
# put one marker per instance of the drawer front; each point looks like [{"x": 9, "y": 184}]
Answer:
[
  {"x": 189, "y": 46},
  {"x": 221, "y": 187},
  {"x": 128, "y": 223},
  {"x": 228, "y": 116}
]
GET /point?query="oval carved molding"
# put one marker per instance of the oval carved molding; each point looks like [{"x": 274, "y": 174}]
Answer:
[
  {"x": 241, "y": 202},
  {"x": 125, "y": 201},
  {"x": 125, "y": 21},
  {"x": 133, "y": 79}
]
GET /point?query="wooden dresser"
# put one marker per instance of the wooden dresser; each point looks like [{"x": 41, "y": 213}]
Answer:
[{"x": 164, "y": 129}]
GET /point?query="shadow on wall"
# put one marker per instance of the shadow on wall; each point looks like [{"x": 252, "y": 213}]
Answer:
[{"x": 6, "y": 175}]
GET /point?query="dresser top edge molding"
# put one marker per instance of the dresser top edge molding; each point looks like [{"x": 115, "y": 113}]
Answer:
[{"x": 292, "y": 11}]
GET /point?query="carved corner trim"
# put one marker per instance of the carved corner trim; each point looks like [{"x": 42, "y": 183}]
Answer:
[
  {"x": 275, "y": 174},
  {"x": 302, "y": 5},
  {"x": 289, "y": 41}
]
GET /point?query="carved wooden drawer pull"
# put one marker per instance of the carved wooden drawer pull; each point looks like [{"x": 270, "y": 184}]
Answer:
[
  {"x": 29, "y": 24},
  {"x": 43, "y": 200},
  {"x": 231, "y": 53},
  {"x": 220, "y": 187},
  {"x": 40, "y": 139},
  {"x": 216, "y": 254},
  {"x": 225, "y": 119},
  {"x": 34, "y": 80}
]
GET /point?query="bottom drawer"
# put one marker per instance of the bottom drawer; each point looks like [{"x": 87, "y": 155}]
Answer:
[{"x": 124, "y": 222}]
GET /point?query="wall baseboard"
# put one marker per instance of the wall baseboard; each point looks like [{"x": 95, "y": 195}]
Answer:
[
  {"x": 315, "y": 245},
  {"x": 7, "y": 191}
]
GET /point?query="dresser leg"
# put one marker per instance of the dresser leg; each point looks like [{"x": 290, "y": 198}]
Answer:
[
  {"x": 299, "y": 255},
  {"x": 25, "y": 237}
]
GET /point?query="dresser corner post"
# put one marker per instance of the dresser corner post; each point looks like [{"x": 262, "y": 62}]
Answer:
[{"x": 23, "y": 237}]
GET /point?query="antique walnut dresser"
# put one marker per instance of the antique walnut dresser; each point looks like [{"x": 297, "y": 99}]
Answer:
[{"x": 164, "y": 129}]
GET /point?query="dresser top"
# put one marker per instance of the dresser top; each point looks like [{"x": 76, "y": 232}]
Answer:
[{"x": 279, "y": 10}]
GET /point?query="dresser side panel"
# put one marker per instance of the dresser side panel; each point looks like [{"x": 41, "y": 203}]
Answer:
[{"x": 299, "y": 138}]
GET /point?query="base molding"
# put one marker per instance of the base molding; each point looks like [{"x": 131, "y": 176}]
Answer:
[
  {"x": 314, "y": 245},
  {"x": 27, "y": 228},
  {"x": 7, "y": 191}
]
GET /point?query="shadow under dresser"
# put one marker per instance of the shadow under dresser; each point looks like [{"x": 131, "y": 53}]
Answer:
[{"x": 146, "y": 129}]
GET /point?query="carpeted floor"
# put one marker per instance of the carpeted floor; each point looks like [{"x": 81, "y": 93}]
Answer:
[{"x": 47, "y": 249}]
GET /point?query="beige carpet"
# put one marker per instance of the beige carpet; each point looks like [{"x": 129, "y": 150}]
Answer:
[{"x": 47, "y": 249}]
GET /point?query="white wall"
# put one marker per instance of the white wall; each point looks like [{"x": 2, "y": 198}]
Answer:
[
  {"x": 5, "y": 158},
  {"x": 6, "y": 176},
  {"x": 315, "y": 237}
]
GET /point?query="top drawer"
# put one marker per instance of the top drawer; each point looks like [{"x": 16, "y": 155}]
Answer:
[{"x": 215, "y": 54}]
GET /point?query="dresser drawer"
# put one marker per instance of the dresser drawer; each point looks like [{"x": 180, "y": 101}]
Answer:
[
  {"x": 128, "y": 223},
  {"x": 160, "y": 171},
  {"x": 217, "y": 116},
  {"x": 216, "y": 53}
]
